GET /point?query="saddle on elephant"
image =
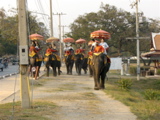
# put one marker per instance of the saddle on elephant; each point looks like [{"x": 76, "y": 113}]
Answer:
[
  {"x": 90, "y": 56},
  {"x": 49, "y": 51},
  {"x": 98, "y": 49},
  {"x": 67, "y": 53},
  {"x": 33, "y": 51},
  {"x": 58, "y": 57},
  {"x": 80, "y": 51}
]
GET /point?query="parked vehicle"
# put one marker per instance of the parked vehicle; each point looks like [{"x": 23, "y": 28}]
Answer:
[
  {"x": 1, "y": 65},
  {"x": 15, "y": 62}
]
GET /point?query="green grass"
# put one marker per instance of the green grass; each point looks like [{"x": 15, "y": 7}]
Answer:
[
  {"x": 38, "y": 111},
  {"x": 135, "y": 97}
]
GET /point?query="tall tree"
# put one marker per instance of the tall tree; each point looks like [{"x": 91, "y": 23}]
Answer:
[
  {"x": 9, "y": 31},
  {"x": 120, "y": 23}
]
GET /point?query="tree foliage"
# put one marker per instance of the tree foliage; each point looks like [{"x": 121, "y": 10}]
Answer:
[
  {"x": 121, "y": 24},
  {"x": 9, "y": 39}
]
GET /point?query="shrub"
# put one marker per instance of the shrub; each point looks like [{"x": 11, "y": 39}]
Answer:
[
  {"x": 158, "y": 71},
  {"x": 125, "y": 83},
  {"x": 133, "y": 70},
  {"x": 151, "y": 94}
]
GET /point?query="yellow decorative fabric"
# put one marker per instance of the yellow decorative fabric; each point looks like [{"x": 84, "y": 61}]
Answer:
[
  {"x": 47, "y": 54},
  {"x": 96, "y": 54},
  {"x": 32, "y": 54},
  {"x": 46, "y": 59}
]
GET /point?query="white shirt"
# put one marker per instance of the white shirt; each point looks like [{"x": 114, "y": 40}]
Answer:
[
  {"x": 70, "y": 47},
  {"x": 104, "y": 45},
  {"x": 66, "y": 48},
  {"x": 94, "y": 44}
]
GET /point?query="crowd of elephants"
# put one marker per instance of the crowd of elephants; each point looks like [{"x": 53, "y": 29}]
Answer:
[{"x": 98, "y": 65}]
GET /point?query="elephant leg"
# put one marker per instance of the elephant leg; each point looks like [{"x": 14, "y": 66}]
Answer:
[
  {"x": 59, "y": 68},
  {"x": 102, "y": 82},
  {"x": 90, "y": 71},
  {"x": 96, "y": 80},
  {"x": 54, "y": 71},
  {"x": 37, "y": 72},
  {"x": 95, "y": 83},
  {"x": 67, "y": 67},
  {"x": 29, "y": 70},
  {"x": 70, "y": 69},
  {"x": 47, "y": 74},
  {"x": 59, "y": 71},
  {"x": 80, "y": 68}
]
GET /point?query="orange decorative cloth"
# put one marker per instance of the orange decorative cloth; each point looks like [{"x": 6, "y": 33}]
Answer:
[
  {"x": 80, "y": 51},
  {"x": 98, "y": 49},
  {"x": 49, "y": 51}
]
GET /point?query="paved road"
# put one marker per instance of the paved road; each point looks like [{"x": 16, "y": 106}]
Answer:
[
  {"x": 10, "y": 83},
  {"x": 12, "y": 69}
]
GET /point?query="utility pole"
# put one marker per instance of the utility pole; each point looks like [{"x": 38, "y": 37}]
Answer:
[
  {"x": 23, "y": 51},
  {"x": 137, "y": 38},
  {"x": 63, "y": 26},
  {"x": 51, "y": 20},
  {"x": 137, "y": 35},
  {"x": 59, "y": 14}
]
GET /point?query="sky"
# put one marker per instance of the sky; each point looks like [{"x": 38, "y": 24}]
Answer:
[{"x": 73, "y": 8}]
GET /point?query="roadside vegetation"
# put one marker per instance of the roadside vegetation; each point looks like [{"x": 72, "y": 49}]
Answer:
[
  {"x": 143, "y": 97},
  {"x": 40, "y": 111}
]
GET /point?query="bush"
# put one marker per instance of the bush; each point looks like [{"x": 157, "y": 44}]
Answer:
[
  {"x": 158, "y": 71},
  {"x": 133, "y": 70},
  {"x": 125, "y": 83},
  {"x": 151, "y": 94}
]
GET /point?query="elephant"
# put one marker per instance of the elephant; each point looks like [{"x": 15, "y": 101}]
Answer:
[
  {"x": 69, "y": 62},
  {"x": 79, "y": 58},
  {"x": 51, "y": 61},
  {"x": 101, "y": 65},
  {"x": 35, "y": 62}
]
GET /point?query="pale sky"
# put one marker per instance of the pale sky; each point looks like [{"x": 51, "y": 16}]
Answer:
[{"x": 74, "y": 8}]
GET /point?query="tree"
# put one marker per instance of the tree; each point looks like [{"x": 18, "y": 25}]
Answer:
[
  {"x": 9, "y": 31},
  {"x": 120, "y": 23}
]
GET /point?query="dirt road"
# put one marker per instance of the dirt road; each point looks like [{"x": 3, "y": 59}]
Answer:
[{"x": 77, "y": 100}]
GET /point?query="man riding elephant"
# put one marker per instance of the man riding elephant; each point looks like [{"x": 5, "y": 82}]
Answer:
[
  {"x": 101, "y": 65},
  {"x": 79, "y": 58},
  {"x": 34, "y": 60},
  {"x": 50, "y": 60},
  {"x": 69, "y": 61}
]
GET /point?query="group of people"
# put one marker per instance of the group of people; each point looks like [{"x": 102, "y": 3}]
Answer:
[{"x": 98, "y": 47}]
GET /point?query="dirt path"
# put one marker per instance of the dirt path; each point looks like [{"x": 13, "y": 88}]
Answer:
[{"x": 76, "y": 100}]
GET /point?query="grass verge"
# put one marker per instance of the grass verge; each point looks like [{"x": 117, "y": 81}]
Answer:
[
  {"x": 41, "y": 110},
  {"x": 135, "y": 97}
]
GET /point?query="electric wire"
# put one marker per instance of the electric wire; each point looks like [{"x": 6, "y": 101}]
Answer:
[
  {"x": 15, "y": 83},
  {"x": 40, "y": 8}
]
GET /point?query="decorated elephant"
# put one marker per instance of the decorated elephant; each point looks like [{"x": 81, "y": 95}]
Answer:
[
  {"x": 79, "y": 58},
  {"x": 69, "y": 62},
  {"x": 51, "y": 61},
  {"x": 35, "y": 61},
  {"x": 101, "y": 65}
]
